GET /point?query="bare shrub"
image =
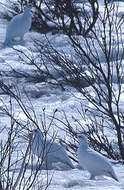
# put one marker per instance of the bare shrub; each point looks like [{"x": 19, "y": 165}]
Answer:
[
  {"x": 96, "y": 131},
  {"x": 65, "y": 16},
  {"x": 18, "y": 167},
  {"x": 102, "y": 54},
  {"x": 100, "y": 66},
  {"x": 10, "y": 9},
  {"x": 107, "y": 100}
]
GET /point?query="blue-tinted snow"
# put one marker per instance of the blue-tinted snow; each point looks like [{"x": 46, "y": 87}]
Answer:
[{"x": 43, "y": 95}]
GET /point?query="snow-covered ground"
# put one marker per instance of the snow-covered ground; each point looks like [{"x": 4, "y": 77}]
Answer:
[
  {"x": 79, "y": 179},
  {"x": 44, "y": 95}
]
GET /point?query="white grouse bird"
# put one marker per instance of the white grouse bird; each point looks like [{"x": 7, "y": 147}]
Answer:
[
  {"x": 92, "y": 161},
  {"x": 48, "y": 150},
  {"x": 19, "y": 25}
]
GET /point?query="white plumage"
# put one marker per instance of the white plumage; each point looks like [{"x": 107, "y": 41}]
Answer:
[
  {"x": 19, "y": 25},
  {"x": 92, "y": 161},
  {"x": 48, "y": 150}
]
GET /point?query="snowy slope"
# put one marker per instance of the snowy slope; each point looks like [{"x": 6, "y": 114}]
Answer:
[{"x": 44, "y": 95}]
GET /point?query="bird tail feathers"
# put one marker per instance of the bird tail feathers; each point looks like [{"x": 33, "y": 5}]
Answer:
[
  {"x": 113, "y": 175},
  {"x": 70, "y": 165}
]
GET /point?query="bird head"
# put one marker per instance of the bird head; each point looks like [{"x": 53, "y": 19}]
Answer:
[
  {"x": 37, "y": 133},
  {"x": 82, "y": 139},
  {"x": 28, "y": 6}
]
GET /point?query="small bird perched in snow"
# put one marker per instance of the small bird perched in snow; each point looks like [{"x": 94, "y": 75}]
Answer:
[
  {"x": 19, "y": 25},
  {"x": 48, "y": 150},
  {"x": 92, "y": 161}
]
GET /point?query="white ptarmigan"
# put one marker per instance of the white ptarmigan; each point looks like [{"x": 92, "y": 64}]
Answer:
[
  {"x": 48, "y": 150},
  {"x": 19, "y": 25},
  {"x": 92, "y": 161}
]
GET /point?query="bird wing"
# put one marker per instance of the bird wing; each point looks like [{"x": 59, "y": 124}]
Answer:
[
  {"x": 15, "y": 19},
  {"x": 57, "y": 150},
  {"x": 99, "y": 161},
  {"x": 53, "y": 147}
]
